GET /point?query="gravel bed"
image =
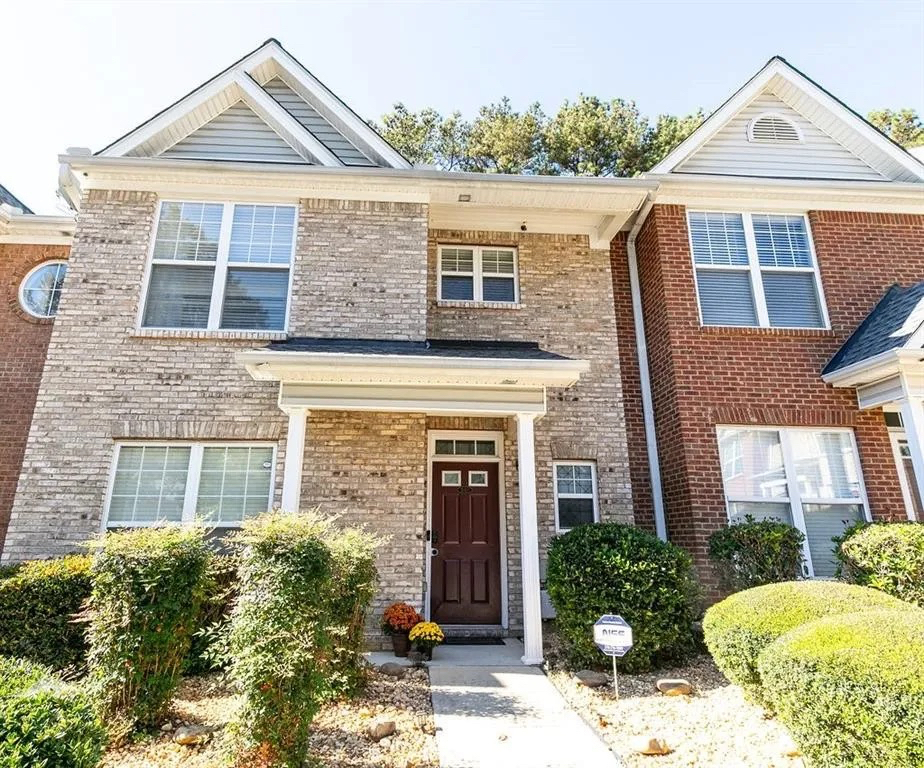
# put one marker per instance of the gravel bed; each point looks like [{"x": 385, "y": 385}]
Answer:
[
  {"x": 714, "y": 728},
  {"x": 340, "y": 736}
]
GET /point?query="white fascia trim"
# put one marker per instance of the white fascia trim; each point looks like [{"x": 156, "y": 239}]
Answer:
[
  {"x": 30, "y": 228},
  {"x": 874, "y": 368}
]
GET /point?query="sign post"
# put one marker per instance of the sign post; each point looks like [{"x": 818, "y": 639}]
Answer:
[{"x": 613, "y": 636}]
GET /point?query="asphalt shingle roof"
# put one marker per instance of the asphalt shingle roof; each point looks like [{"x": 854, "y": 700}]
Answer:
[
  {"x": 10, "y": 199},
  {"x": 875, "y": 334},
  {"x": 494, "y": 350}
]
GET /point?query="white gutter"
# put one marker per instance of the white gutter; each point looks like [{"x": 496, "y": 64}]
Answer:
[{"x": 641, "y": 345}]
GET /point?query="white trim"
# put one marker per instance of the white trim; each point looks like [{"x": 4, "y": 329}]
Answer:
[
  {"x": 777, "y": 116},
  {"x": 756, "y": 271},
  {"x": 22, "y": 287},
  {"x": 593, "y": 494},
  {"x": 478, "y": 274},
  {"x": 529, "y": 540},
  {"x": 450, "y": 434},
  {"x": 191, "y": 492},
  {"x": 220, "y": 269},
  {"x": 897, "y": 436},
  {"x": 447, "y": 482}
]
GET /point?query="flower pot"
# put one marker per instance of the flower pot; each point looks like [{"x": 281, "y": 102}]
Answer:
[
  {"x": 400, "y": 644},
  {"x": 427, "y": 653}
]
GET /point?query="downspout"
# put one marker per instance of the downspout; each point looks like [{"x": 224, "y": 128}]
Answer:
[{"x": 641, "y": 345}]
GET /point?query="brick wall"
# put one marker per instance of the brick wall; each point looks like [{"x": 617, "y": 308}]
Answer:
[
  {"x": 23, "y": 342},
  {"x": 707, "y": 376}
]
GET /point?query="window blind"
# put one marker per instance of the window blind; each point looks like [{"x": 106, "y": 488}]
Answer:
[
  {"x": 178, "y": 296},
  {"x": 792, "y": 300},
  {"x": 726, "y": 297}
]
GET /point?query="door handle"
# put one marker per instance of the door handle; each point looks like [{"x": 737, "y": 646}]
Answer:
[{"x": 434, "y": 552}]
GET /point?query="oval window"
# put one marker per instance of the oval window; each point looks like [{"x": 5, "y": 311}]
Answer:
[{"x": 41, "y": 290}]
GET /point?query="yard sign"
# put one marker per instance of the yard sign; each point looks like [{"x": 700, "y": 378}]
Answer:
[{"x": 613, "y": 636}]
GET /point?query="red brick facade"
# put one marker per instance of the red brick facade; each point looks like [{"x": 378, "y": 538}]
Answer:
[
  {"x": 703, "y": 376},
  {"x": 23, "y": 342}
]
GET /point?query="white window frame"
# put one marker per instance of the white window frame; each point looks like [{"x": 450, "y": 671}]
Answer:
[
  {"x": 193, "y": 476},
  {"x": 755, "y": 270},
  {"x": 557, "y": 495},
  {"x": 221, "y": 264},
  {"x": 794, "y": 497},
  {"x": 896, "y": 437},
  {"x": 478, "y": 274},
  {"x": 779, "y": 116},
  {"x": 22, "y": 287}
]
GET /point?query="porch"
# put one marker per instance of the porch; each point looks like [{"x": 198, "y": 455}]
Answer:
[{"x": 467, "y": 511}]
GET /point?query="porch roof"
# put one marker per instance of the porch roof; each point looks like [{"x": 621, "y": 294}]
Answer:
[{"x": 499, "y": 350}]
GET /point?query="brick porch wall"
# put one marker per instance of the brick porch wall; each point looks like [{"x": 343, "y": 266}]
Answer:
[
  {"x": 23, "y": 344},
  {"x": 702, "y": 377}
]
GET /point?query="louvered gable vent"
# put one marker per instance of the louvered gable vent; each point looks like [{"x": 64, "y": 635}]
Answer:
[{"x": 774, "y": 128}]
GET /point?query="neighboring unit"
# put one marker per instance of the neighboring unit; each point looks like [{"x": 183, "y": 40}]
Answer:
[{"x": 268, "y": 306}]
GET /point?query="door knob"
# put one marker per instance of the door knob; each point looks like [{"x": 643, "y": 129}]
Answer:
[{"x": 434, "y": 552}]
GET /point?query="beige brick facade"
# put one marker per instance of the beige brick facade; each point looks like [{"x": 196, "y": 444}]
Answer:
[{"x": 361, "y": 270}]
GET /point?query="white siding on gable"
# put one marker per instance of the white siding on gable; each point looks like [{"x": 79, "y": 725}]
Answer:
[
  {"x": 323, "y": 131},
  {"x": 236, "y": 134},
  {"x": 818, "y": 156}
]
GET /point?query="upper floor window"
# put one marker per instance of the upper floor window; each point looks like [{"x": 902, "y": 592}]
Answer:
[
  {"x": 220, "y": 266},
  {"x": 40, "y": 291},
  {"x": 755, "y": 270},
  {"x": 477, "y": 273}
]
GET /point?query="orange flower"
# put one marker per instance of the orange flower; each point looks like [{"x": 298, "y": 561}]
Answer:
[{"x": 399, "y": 617}]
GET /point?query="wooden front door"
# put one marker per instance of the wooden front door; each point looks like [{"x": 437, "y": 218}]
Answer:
[{"x": 465, "y": 570}]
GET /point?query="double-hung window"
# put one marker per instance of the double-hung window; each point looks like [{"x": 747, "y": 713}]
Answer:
[
  {"x": 755, "y": 269},
  {"x": 219, "y": 485},
  {"x": 476, "y": 273},
  {"x": 220, "y": 266},
  {"x": 809, "y": 478},
  {"x": 575, "y": 494}
]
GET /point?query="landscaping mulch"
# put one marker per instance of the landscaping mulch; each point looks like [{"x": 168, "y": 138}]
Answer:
[
  {"x": 714, "y": 728},
  {"x": 340, "y": 730}
]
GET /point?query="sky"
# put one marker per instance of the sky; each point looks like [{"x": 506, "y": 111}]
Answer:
[{"x": 81, "y": 74}]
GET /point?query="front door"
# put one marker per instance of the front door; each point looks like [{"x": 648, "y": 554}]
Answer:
[{"x": 465, "y": 572}]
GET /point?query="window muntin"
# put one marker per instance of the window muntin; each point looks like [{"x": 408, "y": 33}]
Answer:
[
  {"x": 220, "y": 266},
  {"x": 219, "y": 485},
  {"x": 809, "y": 478},
  {"x": 755, "y": 270},
  {"x": 575, "y": 485},
  {"x": 40, "y": 290},
  {"x": 476, "y": 273}
]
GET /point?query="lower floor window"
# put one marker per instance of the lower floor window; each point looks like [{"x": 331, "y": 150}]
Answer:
[
  {"x": 808, "y": 478},
  {"x": 216, "y": 484},
  {"x": 575, "y": 494}
]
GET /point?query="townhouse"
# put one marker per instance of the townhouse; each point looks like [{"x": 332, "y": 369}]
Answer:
[{"x": 266, "y": 305}]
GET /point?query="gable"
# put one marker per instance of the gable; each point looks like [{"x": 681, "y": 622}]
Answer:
[
  {"x": 834, "y": 142},
  {"x": 266, "y": 107},
  {"x": 815, "y": 155},
  {"x": 236, "y": 134}
]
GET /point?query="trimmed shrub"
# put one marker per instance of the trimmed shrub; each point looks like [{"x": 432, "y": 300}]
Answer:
[
  {"x": 739, "y": 628},
  {"x": 38, "y": 603},
  {"x": 220, "y": 591},
  {"x": 851, "y": 688},
  {"x": 148, "y": 588},
  {"x": 294, "y": 628},
  {"x": 756, "y": 552},
  {"x": 886, "y": 556},
  {"x": 613, "y": 568},
  {"x": 43, "y": 721}
]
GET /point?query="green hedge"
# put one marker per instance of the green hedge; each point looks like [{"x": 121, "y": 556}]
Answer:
[
  {"x": 38, "y": 601},
  {"x": 613, "y": 568},
  {"x": 851, "y": 688},
  {"x": 756, "y": 552},
  {"x": 739, "y": 628},
  {"x": 45, "y": 723},
  {"x": 294, "y": 628},
  {"x": 886, "y": 556},
  {"x": 219, "y": 593},
  {"x": 148, "y": 587}
]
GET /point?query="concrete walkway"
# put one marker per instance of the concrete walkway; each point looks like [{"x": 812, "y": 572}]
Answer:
[{"x": 491, "y": 711}]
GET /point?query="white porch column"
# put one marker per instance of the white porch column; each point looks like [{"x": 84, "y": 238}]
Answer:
[
  {"x": 913, "y": 419},
  {"x": 295, "y": 459},
  {"x": 529, "y": 539}
]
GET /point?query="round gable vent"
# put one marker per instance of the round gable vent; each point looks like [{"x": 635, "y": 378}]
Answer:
[{"x": 774, "y": 127}]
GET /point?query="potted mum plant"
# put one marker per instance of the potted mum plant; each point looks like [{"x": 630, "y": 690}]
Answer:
[
  {"x": 398, "y": 620},
  {"x": 426, "y": 636}
]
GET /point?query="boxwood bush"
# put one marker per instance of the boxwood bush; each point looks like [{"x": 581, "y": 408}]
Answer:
[
  {"x": 886, "y": 556},
  {"x": 295, "y": 628},
  {"x": 739, "y": 628},
  {"x": 614, "y": 568},
  {"x": 756, "y": 552},
  {"x": 44, "y": 722},
  {"x": 148, "y": 587},
  {"x": 851, "y": 688},
  {"x": 38, "y": 604}
]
